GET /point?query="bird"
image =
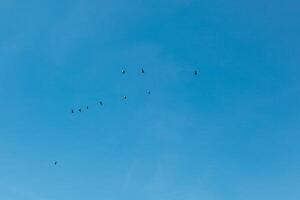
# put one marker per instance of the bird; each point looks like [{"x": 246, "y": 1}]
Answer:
[
  {"x": 72, "y": 111},
  {"x": 87, "y": 107},
  {"x": 196, "y": 73},
  {"x": 79, "y": 109},
  {"x": 55, "y": 163},
  {"x": 148, "y": 92},
  {"x": 101, "y": 103},
  {"x": 123, "y": 71},
  {"x": 143, "y": 71},
  {"x": 125, "y": 97}
]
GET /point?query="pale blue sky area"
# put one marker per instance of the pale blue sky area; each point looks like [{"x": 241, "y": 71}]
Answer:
[{"x": 230, "y": 133}]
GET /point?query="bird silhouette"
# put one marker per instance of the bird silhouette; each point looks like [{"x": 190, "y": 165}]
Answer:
[
  {"x": 87, "y": 107},
  {"x": 72, "y": 111},
  {"x": 143, "y": 71},
  {"x": 101, "y": 103},
  {"x": 55, "y": 163},
  {"x": 125, "y": 97},
  {"x": 79, "y": 109},
  {"x": 123, "y": 71},
  {"x": 196, "y": 72},
  {"x": 148, "y": 92}
]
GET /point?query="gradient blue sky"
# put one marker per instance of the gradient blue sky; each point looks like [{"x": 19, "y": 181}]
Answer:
[{"x": 230, "y": 133}]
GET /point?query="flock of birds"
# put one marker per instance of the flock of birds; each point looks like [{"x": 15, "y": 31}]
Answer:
[{"x": 124, "y": 97}]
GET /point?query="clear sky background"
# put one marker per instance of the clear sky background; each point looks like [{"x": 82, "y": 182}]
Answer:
[{"x": 231, "y": 133}]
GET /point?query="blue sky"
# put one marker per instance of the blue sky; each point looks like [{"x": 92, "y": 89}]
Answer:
[{"x": 230, "y": 133}]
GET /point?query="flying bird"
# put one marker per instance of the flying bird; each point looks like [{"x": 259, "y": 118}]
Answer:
[
  {"x": 125, "y": 97},
  {"x": 148, "y": 92},
  {"x": 87, "y": 107},
  {"x": 123, "y": 71},
  {"x": 79, "y": 109},
  {"x": 143, "y": 71},
  {"x": 196, "y": 73},
  {"x": 55, "y": 163},
  {"x": 72, "y": 111},
  {"x": 101, "y": 103}
]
